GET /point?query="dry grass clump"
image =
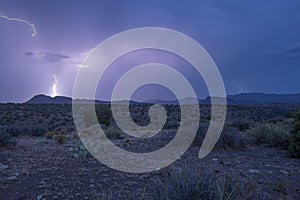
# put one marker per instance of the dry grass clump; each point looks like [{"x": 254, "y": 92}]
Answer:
[
  {"x": 192, "y": 183},
  {"x": 49, "y": 135},
  {"x": 60, "y": 139}
]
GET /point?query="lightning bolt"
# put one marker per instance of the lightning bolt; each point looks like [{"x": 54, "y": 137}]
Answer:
[
  {"x": 53, "y": 89},
  {"x": 20, "y": 20},
  {"x": 83, "y": 56}
]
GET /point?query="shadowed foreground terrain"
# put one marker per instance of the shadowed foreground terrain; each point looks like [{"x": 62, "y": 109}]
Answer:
[{"x": 41, "y": 156}]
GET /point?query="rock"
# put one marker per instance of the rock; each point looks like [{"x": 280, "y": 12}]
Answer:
[
  {"x": 42, "y": 184},
  {"x": 25, "y": 172},
  {"x": 284, "y": 172},
  {"x": 3, "y": 167},
  {"x": 225, "y": 163},
  {"x": 12, "y": 178},
  {"x": 40, "y": 197},
  {"x": 254, "y": 171}
]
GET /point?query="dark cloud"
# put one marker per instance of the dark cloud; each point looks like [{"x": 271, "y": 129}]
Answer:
[
  {"x": 293, "y": 50},
  {"x": 29, "y": 53},
  {"x": 55, "y": 57}
]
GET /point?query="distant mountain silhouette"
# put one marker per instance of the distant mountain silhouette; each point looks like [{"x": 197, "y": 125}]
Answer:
[
  {"x": 262, "y": 98},
  {"x": 238, "y": 99},
  {"x": 43, "y": 99},
  {"x": 242, "y": 99}
]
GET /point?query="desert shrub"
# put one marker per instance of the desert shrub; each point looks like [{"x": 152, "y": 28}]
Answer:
[
  {"x": 230, "y": 137},
  {"x": 76, "y": 136},
  {"x": 193, "y": 183},
  {"x": 293, "y": 114},
  {"x": 104, "y": 114},
  {"x": 230, "y": 188},
  {"x": 12, "y": 130},
  {"x": 207, "y": 117},
  {"x": 15, "y": 130},
  {"x": 49, "y": 135},
  {"x": 202, "y": 129},
  {"x": 171, "y": 124},
  {"x": 79, "y": 152},
  {"x": 60, "y": 139},
  {"x": 113, "y": 133},
  {"x": 6, "y": 139},
  {"x": 187, "y": 183},
  {"x": 270, "y": 134},
  {"x": 280, "y": 185},
  {"x": 35, "y": 130},
  {"x": 242, "y": 125},
  {"x": 294, "y": 142},
  {"x": 86, "y": 133},
  {"x": 89, "y": 117},
  {"x": 277, "y": 119}
]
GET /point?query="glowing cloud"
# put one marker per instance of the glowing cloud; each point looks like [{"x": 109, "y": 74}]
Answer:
[
  {"x": 53, "y": 89},
  {"x": 20, "y": 20}
]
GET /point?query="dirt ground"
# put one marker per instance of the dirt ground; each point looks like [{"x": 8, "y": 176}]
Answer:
[{"x": 39, "y": 168}]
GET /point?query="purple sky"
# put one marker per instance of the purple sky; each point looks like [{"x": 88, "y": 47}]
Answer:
[{"x": 255, "y": 44}]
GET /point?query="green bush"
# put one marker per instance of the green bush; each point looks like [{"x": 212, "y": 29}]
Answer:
[
  {"x": 270, "y": 134},
  {"x": 294, "y": 142}
]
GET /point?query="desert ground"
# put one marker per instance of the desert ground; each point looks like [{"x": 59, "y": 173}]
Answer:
[{"x": 42, "y": 157}]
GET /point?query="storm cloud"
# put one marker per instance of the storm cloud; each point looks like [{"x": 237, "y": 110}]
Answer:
[
  {"x": 293, "y": 50},
  {"x": 55, "y": 57}
]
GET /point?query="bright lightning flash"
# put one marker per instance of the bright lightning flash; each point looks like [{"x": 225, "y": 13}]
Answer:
[
  {"x": 20, "y": 20},
  {"x": 53, "y": 89},
  {"x": 83, "y": 57}
]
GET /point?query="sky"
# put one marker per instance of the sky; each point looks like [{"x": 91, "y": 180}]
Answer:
[{"x": 254, "y": 43}]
